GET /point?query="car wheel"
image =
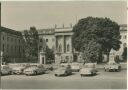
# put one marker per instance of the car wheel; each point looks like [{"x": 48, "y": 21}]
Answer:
[
  {"x": 119, "y": 69},
  {"x": 10, "y": 73},
  {"x": 1, "y": 74},
  {"x": 56, "y": 75},
  {"x": 81, "y": 75},
  {"x": 107, "y": 70}
]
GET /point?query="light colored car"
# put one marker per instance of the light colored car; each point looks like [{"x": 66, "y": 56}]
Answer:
[
  {"x": 88, "y": 69},
  {"x": 64, "y": 64},
  {"x": 63, "y": 71},
  {"x": 18, "y": 69},
  {"x": 75, "y": 67},
  {"x": 112, "y": 66},
  {"x": 5, "y": 70},
  {"x": 34, "y": 70}
]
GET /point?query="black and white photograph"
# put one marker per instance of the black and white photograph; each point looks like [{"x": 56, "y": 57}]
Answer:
[{"x": 63, "y": 44}]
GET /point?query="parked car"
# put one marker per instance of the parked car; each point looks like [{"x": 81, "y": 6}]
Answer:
[
  {"x": 48, "y": 67},
  {"x": 112, "y": 66},
  {"x": 34, "y": 70},
  {"x": 18, "y": 69},
  {"x": 5, "y": 70},
  {"x": 88, "y": 69},
  {"x": 64, "y": 64},
  {"x": 75, "y": 67},
  {"x": 63, "y": 71}
]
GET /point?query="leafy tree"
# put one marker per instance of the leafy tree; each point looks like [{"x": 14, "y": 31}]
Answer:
[
  {"x": 91, "y": 51},
  {"x": 49, "y": 53},
  {"x": 31, "y": 43},
  {"x": 103, "y": 31}
]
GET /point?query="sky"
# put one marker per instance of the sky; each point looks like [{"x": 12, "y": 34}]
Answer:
[{"x": 45, "y": 14}]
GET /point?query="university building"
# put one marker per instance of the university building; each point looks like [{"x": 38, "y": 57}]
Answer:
[
  {"x": 60, "y": 40},
  {"x": 12, "y": 47}
]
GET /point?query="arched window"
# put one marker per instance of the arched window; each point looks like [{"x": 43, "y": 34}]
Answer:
[
  {"x": 60, "y": 48},
  {"x": 68, "y": 48}
]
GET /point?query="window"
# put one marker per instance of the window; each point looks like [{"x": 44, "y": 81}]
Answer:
[
  {"x": 40, "y": 47},
  {"x": 15, "y": 40},
  {"x": 60, "y": 48},
  {"x": 41, "y": 40},
  {"x": 125, "y": 37},
  {"x": 3, "y": 47},
  {"x": 3, "y": 37},
  {"x": 7, "y": 38},
  {"x": 68, "y": 48},
  {"x": 7, "y": 47},
  {"x": 46, "y": 40},
  {"x": 12, "y": 39},
  {"x": 15, "y": 48}
]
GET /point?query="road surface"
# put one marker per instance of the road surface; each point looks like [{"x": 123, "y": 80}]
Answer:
[{"x": 103, "y": 80}]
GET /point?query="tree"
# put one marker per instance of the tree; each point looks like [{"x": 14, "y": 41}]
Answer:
[
  {"x": 31, "y": 43},
  {"x": 49, "y": 53},
  {"x": 103, "y": 31},
  {"x": 91, "y": 51}
]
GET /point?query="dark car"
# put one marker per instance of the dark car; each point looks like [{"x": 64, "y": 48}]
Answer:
[{"x": 63, "y": 71}]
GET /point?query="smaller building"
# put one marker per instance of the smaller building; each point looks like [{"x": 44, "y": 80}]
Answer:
[
  {"x": 123, "y": 33},
  {"x": 11, "y": 45}
]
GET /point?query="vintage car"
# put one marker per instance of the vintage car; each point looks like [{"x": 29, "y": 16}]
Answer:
[
  {"x": 64, "y": 64},
  {"x": 63, "y": 71},
  {"x": 18, "y": 69},
  {"x": 48, "y": 67},
  {"x": 75, "y": 67},
  {"x": 34, "y": 70},
  {"x": 5, "y": 70},
  {"x": 88, "y": 69},
  {"x": 112, "y": 66}
]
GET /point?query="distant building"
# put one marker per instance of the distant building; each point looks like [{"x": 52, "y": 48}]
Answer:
[
  {"x": 123, "y": 33},
  {"x": 12, "y": 45}
]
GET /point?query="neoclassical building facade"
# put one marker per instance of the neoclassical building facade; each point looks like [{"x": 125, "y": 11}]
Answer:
[
  {"x": 60, "y": 40},
  {"x": 63, "y": 43}
]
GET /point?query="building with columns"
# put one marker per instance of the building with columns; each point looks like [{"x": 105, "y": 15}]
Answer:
[
  {"x": 60, "y": 40},
  {"x": 63, "y": 43}
]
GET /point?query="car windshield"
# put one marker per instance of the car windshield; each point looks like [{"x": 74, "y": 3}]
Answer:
[
  {"x": 89, "y": 66},
  {"x": 112, "y": 63},
  {"x": 5, "y": 67},
  {"x": 62, "y": 68},
  {"x": 32, "y": 67}
]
